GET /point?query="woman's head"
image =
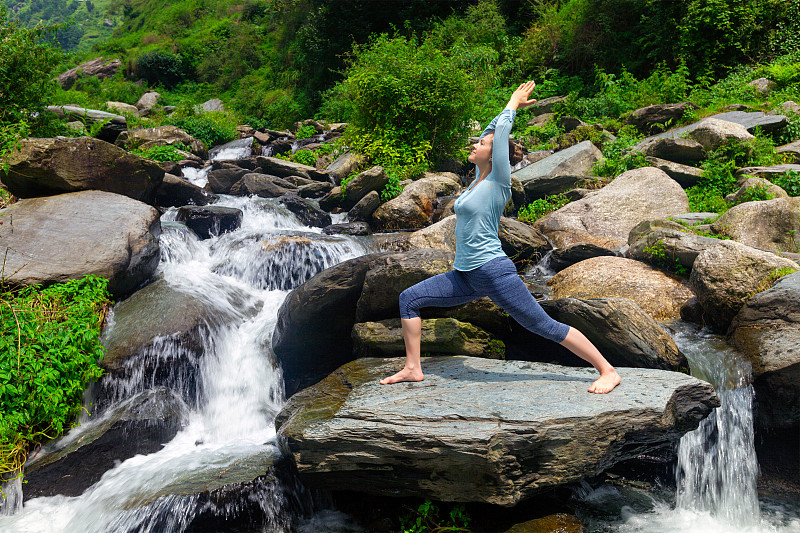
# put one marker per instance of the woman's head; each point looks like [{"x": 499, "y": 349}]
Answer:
[{"x": 482, "y": 151}]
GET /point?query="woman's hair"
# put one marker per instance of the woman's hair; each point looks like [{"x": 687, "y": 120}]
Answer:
[{"x": 515, "y": 154}]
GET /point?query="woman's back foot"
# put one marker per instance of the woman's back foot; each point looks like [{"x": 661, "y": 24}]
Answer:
[
  {"x": 606, "y": 383},
  {"x": 407, "y": 374}
]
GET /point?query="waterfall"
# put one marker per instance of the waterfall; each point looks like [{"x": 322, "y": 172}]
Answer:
[{"x": 231, "y": 385}]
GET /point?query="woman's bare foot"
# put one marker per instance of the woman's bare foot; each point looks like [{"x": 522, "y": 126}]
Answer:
[
  {"x": 407, "y": 374},
  {"x": 606, "y": 383}
]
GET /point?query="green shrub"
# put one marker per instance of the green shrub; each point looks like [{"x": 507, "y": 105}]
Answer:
[
  {"x": 410, "y": 102},
  {"x": 159, "y": 67},
  {"x": 541, "y": 207},
  {"x": 49, "y": 350},
  {"x": 305, "y": 157},
  {"x": 167, "y": 152},
  {"x": 426, "y": 518},
  {"x": 306, "y": 132},
  {"x": 619, "y": 157},
  {"x": 666, "y": 259},
  {"x": 213, "y": 128},
  {"x": 755, "y": 194},
  {"x": 277, "y": 107},
  {"x": 789, "y": 182}
]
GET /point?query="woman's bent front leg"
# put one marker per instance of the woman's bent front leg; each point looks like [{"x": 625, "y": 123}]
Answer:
[{"x": 444, "y": 290}]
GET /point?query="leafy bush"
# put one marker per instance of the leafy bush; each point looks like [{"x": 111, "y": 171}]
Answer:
[
  {"x": 665, "y": 259},
  {"x": 755, "y": 194},
  {"x": 305, "y": 157},
  {"x": 541, "y": 207},
  {"x": 159, "y": 67},
  {"x": 618, "y": 156},
  {"x": 410, "y": 103},
  {"x": 167, "y": 152},
  {"x": 789, "y": 182},
  {"x": 426, "y": 518},
  {"x": 213, "y": 128},
  {"x": 278, "y": 107},
  {"x": 306, "y": 132},
  {"x": 49, "y": 350}
]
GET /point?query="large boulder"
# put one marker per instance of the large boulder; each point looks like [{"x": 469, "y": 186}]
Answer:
[
  {"x": 262, "y": 185},
  {"x": 439, "y": 336},
  {"x": 562, "y": 258},
  {"x": 362, "y": 184},
  {"x": 621, "y": 330},
  {"x": 481, "y": 430},
  {"x": 768, "y": 172},
  {"x": 144, "y": 138},
  {"x": 772, "y": 225},
  {"x": 112, "y": 125},
  {"x": 221, "y": 177},
  {"x": 655, "y": 118},
  {"x": 210, "y": 220},
  {"x": 713, "y": 133},
  {"x": 59, "y": 238},
  {"x": 684, "y": 174},
  {"x": 140, "y": 425},
  {"x": 344, "y": 165},
  {"x": 767, "y": 331},
  {"x": 678, "y": 150},
  {"x": 606, "y": 217},
  {"x": 746, "y": 186},
  {"x": 305, "y": 349},
  {"x": 547, "y": 105},
  {"x": 43, "y": 167},
  {"x": 660, "y": 295},
  {"x": 305, "y": 211},
  {"x": 282, "y": 169},
  {"x": 726, "y": 276},
  {"x": 558, "y": 172},
  {"x": 790, "y": 151},
  {"x": 147, "y": 102},
  {"x": 362, "y": 211},
  {"x": 414, "y": 207},
  {"x": 175, "y": 192},
  {"x": 673, "y": 249},
  {"x": 94, "y": 68}
]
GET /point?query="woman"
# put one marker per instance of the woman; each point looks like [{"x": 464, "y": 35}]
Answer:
[{"x": 481, "y": 268}]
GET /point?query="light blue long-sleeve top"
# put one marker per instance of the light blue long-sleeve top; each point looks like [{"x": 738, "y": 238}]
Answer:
[{"x": 480, "y": 206}]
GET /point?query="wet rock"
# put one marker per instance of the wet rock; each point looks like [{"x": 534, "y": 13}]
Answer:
[
  {"x": 210, "y": 221},
  {"x": 94, "y": 68},
  {"x": 439, "y": 336},
  {"x": 43, "y": 167},
  {"x": 314, "y": 190},
  {"x": 745, "y": 190},
  {"x": 655, "y": 118},
  {"x": 562, "y": 258},
  {"x": 692, "y": 311},
  {"x": 480, "y": 430},
  {"x": 305, "y": 211},
  {"x": 660, "y": 295},
  {"x": 362, "y": 184},
  {"x": 281, "y": 168},
  {"x": 144, "y": 138},
  {"x": 222, "y": 178},
  {"x": 344, "y": 165},
  {"x": 606, "y": 217},
  {"x": 767, "y": 331},
  {"x": 772, "y": 225},
  {"x": 306, "y": 351},
  {"x": 351, "y": 228},
  {"x": 362, "y": 211},
  {"x": 175, "y": 192},
  {"x": 685, "y": 175},
  {"x": 726, "y": 276},
  {"x": 96, "y": 232},
  {"x": 560, "y": 523},
  {"x": 414, "y": 207},
  {"x": 73, "y": 463},
  {"x": 558, "y": 172},
  {"x": 681, "y": 151},
  {"x": 262, "y": 185}
]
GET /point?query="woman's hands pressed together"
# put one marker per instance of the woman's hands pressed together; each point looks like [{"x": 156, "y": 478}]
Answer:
[{"x": 519, "y": 100}]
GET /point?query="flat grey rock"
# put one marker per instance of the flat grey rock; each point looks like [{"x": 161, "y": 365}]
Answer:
[{"x": 481, "y": 430}]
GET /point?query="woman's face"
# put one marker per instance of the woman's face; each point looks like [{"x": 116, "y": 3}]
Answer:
[{"x": 482, "y": 151}]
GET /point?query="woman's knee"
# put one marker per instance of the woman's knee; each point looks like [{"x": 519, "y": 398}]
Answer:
[{"x": 407, "y": 307}]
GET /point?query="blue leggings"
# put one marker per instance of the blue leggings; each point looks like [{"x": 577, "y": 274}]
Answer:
[{"x": 496, "y": 279}]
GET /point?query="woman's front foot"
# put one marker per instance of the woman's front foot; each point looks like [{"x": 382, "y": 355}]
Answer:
[
  {"x": 606, "y": 383},
  {"x": 407, "y": 374}
]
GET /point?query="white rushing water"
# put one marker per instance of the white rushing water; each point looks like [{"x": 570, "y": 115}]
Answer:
[
  {"x": 717, "y": 468},
  {"x": 233, "y": 390}
]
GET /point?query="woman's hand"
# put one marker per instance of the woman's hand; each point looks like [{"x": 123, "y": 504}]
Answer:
[{"x": 519, "y": 100}]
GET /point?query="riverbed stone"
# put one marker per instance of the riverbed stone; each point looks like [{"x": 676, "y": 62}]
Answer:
[
  {"x": 344, "y": 165},
  {"x": 678, "y": 150},
  {"x": 348, "y": 228},
  {"x": 58, "y": 238},
  {"x": 222, "y": 177},
  {"x": 262, "y": 185},
  {"x": 562, "y": 258},
  {"x": 373, "y": 179},
  {"x": 772, "y": 225},
  {"x": 210, "y": 220},
  {"x": 685, "y": 175},
  {"x": 558, "y": 172},
  {"x": 745, "y": 186},
  {"x": 767, "y": 331},
  {"x": 660, "y": 295},
  {"x": 175, "y": 192},
  {"x": 414, "y": 207},
  {"x": 654, "y": 118},
  {"x": 144, "y": 138},
  {"x": 440, "y": 336},
  {"x": 314, "y": 190},
  {"x": 606, "y": 217},
  {"x": 140, "y": 425},
  {"x": 670, "y": 248},
  {"x": 281, "y": 168},
  {"x": 725, "y": 276},
  {"x": 481, "y": 430},
  {"x": 712, "y": 133},
  {"x": 362, "y": 211},
  {"x": 44, "y": 167}
]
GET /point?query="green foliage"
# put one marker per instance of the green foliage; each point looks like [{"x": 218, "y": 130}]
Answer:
[
  {"x": 275, "y": 106},
  {"x": 666, "y": 259},
  {"x": 541, "y": 207},
  {"x": 306, "y": 132},
  {"x": 755, "y": 194},
  {"x": 159, "y": 67},
  {"x": 392, "y": 189},
  {"x": 409, "y": 102},
  {"x": 544, "y": 137},
  {"x": 213, "y": 128},
  {"x": 49, "y": 350},
  {"x": 426, "y": 519},
  {"x": 305, "y": 157},
  {"x": 791, "y": 132},
  {"x": 619, "y": 156},
  {"x": 167, "y": 152},
  {"x": 788, "y": 181}
]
